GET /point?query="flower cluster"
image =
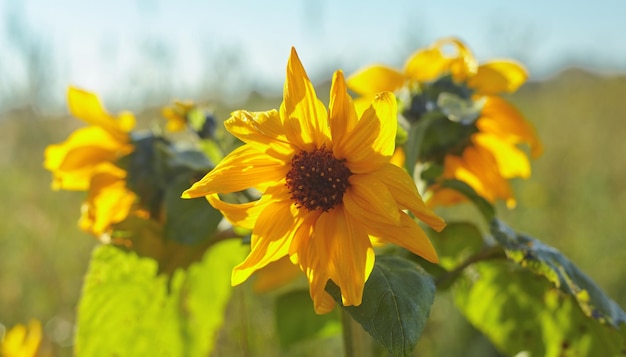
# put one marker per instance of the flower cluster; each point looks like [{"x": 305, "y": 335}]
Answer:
[
  {"x": 128, "y": 174},
  {"x": 317, "y": 188}
]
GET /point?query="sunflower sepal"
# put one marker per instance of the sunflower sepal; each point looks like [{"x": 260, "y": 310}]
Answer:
[{"x": 397, "y": 299}]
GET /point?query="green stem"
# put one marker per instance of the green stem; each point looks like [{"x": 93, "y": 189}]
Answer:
[
  {"x": 357, "y": 342},
  {"x": 491, "y": 252}
]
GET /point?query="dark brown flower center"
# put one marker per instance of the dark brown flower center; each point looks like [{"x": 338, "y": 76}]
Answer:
[{"x": 317, "y": 180}]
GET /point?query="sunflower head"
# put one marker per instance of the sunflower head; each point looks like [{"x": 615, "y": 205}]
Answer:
[
  {"x": 464, "y": 130},
  {"x": 87, "y": 161},
  {"x": 327, "y": 187}
]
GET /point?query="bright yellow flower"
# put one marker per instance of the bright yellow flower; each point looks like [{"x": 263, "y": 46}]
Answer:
[
  {"x": 428, "y": 64},
  {"x": 327, "y": 187},
  {"x": 85, "y": 161},
  {"x": 22, "y": 341},
  {"x": 176, "y": 115},
  {"x": 492, "y": 155}
]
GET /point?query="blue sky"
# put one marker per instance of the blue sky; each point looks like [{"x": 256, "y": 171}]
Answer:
[{"x": 112, "y": 46}]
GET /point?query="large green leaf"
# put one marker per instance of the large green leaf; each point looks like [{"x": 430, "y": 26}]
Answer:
[
  {"x": 188, "y": 221},
  {"x": 396, "y": 303},
  {"x": 520, "y": 311},
  {"x": 458, "y": 245},
  {"x": 126, "y": 309},
  {"x": 296, "y": 320},
  {"x": 456, "y": 242},
  {"x": 550, "y": 263}
]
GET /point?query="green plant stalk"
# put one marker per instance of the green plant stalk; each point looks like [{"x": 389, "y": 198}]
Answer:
[{"x": 356, "y": 341}]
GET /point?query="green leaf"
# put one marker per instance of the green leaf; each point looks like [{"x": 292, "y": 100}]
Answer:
[
  {"x": 396, "y": 303},
  {"x": 414, "y": 144},
  {"x": 520, "y": 311},
  {"x": 296, "y": 320},
  {"x": 126, "y": 309},
  {"x": 188, "y": 221},
  {"x": 188, "y": 159},
  {"x": 456, "y": 242},
  {"x": 554, "y": 266},
  {"x": 485, "y": 208},
  {"x": 458, "y": 108},
  {"x": 204, "y": 293}
]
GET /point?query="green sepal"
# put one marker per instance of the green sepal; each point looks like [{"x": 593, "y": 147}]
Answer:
[{"x": 396, "y": 303}]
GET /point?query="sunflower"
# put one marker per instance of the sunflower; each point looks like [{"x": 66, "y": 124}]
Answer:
[
  {"x": 22, "y": 341},
  {"x": 327, "y": 187},
  {"x": 490, "y": 132},
  {"x": 176, "y": 114},
  {"x": 86, "y": 162}
]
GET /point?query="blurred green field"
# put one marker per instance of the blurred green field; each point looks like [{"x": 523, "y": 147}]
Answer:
[{"x": 575, "y": 201}]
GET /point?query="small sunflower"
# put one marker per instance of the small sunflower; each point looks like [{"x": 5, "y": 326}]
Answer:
[
  {"x": 86, "y": 162},
  {"x": 327, "y": 186},
  {"x": 22, "y": 341},
  {"x": 437, "y": 79},
  {"x": 176, "y": 114}
]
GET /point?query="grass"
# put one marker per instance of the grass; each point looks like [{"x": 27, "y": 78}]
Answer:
[{"x": 574, "y": 201}]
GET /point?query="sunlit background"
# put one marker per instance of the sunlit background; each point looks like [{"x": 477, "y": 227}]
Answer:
[{"x": 140, "y": 54}]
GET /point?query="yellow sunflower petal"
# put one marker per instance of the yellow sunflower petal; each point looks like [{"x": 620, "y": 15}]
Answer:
[
  {"x": 376, "y": 79},
  {"x": 349, "y": 250},
  {"x": 262, "y": 130},
  {"x": 303, "y": 114},
  {"x": 500, "y": 118},
  {"x": 323, "y": 302},
  {"x": 462, "y": 64},
  {"x": 399, "y": 157},
  {"x": 109, "y": 201},
  {"x": 369, "y": 199},
  {"x": 479, "y": 169},
  {"x": 512, "y": 162},
  {"x": 426, "y": 65},
  {"x": 176, "y": 121},
  {"x": 86, "y": 106},
  {"x": 241, "y": 215},
  {"x": 498, "y": 76},
  {"x": 22, "y": 341},
  {"x": 243, "y": 168},
  {"x": 342, "y": 115},
  {"x": 444, "y": 197},
  {"x": 408, "y": 235},
  {"x": 272, "y": 234},
  {"x": 276, "y": 274},
  {"x": 84, "y": 147},
  {"x": 362, "y": 103},
  {"x": 372, "y": 141},
  {"x": 302, "y": 236},
  {"x": 405, "y": 193}
]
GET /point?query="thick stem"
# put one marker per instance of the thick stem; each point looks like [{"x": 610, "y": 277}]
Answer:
[{"x": 357, "y": 342}]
